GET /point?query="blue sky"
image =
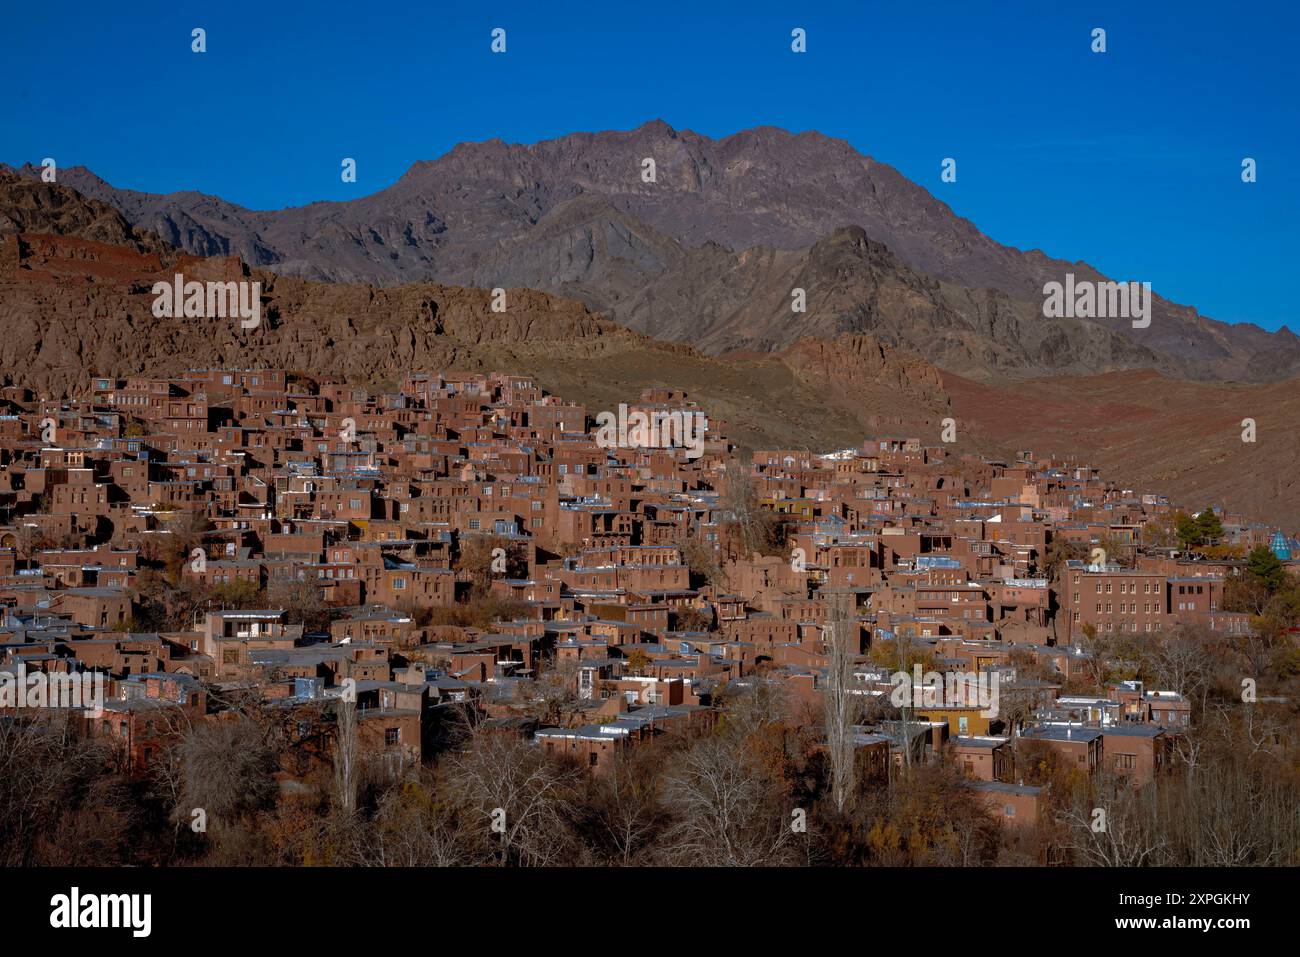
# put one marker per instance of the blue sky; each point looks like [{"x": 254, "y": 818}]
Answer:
[{"x": 1129, "y": 159}]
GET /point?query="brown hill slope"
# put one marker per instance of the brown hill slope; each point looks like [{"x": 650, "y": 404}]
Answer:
[
  {"x": 1150, "y": 433},
  {"x": 674, "y": 258}
]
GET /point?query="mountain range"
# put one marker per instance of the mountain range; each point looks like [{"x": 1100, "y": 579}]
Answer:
[{"x": 709, "y": 253}]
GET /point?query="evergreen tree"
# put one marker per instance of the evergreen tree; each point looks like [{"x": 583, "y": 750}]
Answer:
[
  {"x": 1209, "y": 527},
  {"x": 1266, "y": 568},
  {"x": 1187, "y": 530}
]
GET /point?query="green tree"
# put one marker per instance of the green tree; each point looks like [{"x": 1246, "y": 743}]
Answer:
[
  {"x": 1189, "y": 533},
  {"x": 1209, "y": 527},
  {"x": 1266, "y": 568}
]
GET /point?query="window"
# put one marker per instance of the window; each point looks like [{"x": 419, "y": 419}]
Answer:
[
  {"x": 399, "y": 584},
  {"x": 392, "y": 736},
  {"x": 591, "y": 759},
  {"x": 1125, "y": 762},
  {"x": 1008, "y": 810}
]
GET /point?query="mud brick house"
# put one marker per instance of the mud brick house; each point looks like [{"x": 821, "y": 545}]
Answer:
[
  {"x": 1080, "y": 748},
  {"x": 1167, "y": 709},
  {"x": 374, "y": 622},
  {"x": 228, "y": 636},
  {"x": 99, "y": 608},
  {"x": 645, "y": 690},
  {"x": 1114, "y": 599},
  {"x": 1017, "y": 805},
  {"x": 984, "y": 758},
  {"x": 596, "y": 746},
  {"x": 88, "y": 567},
  {"x": 592, "y": 746},
  {"x": 961, "y": 719},
  {"x": 405, "y": 583},
  {"x": 213, "y": 572},
  {"x": 394, "y": 736},
  {"x": 871, "y": 756},
  {"x": 121, "y": 655},
  {"x": 1139, "y": 752},
  {"x": 151, "y": 714},
  {"x": 1197, "y": 596}
]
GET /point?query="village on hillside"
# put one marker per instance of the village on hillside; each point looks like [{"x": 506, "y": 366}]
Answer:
[{"x": 491, "y": 627}]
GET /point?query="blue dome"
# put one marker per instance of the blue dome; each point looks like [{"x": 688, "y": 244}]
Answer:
[{"x": 1280, "y": 546}]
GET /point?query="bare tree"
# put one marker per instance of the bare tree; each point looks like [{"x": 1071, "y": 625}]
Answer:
[
  {"x": 728, "y": 813},
  {"x": 44, "y": 766},
  {"x": 760, "y": 702},
  {"x": 511, "y": 793},
  {"x": 302, "y": 601},
  {"x": 841, "y": 704},
  {"x": 754, "y": 528},
  {"x": 624, "y": 809},
  {"x": 227, "y": 769},
  {"x": 554, "y": 694},
  {"x": 410, "y": 829},
  {"x": 1112, "y": 825},
  {"x": 347, "y": 759},
  {"x": 1182, "y": 662}
]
